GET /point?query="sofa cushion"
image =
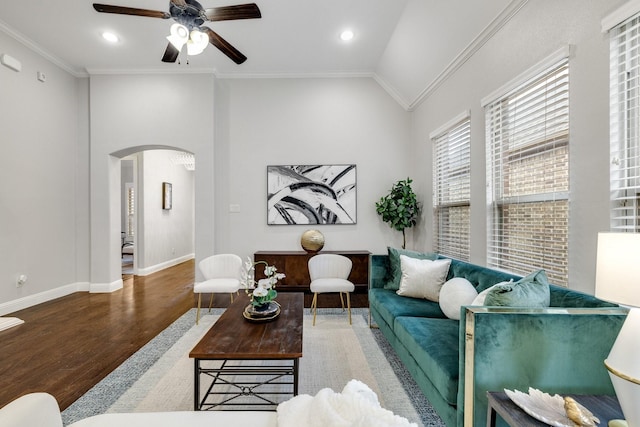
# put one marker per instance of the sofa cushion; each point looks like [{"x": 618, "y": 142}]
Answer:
[
  {"x": 480, "y": 277},
  {"x": 390, "y": 305},
  {"x": 422, "y": 278},
  {"x": 530, "y": 291},
  {"x": 32, "y": 409},
  {"x": 479, "y": 300},
  {"x": 395, "y": 272},
  {"x": 433, "y": 343},
  {"x": 181, "y": 419},
  {"x": 454, "y": 294}
]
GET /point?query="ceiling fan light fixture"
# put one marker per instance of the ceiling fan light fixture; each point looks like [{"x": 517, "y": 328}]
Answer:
[
  {"x": 179, "y": 35},
  {"x": 198, "y": 41}
]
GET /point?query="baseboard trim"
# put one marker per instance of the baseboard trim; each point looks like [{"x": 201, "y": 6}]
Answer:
[
  {"x": 97, "y": 288},
  {"x": 62, "y": 291},
  {"x": 170, "y": 263},
  {"x": 39, "y": 298}
]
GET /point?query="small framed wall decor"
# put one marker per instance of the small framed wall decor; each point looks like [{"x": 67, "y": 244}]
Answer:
[
  {"x": 311, "y": 194},
  {"x": 167, "y": 196}
]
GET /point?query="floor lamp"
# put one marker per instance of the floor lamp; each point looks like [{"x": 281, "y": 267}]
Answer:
[{"x": 618, "y": 280}]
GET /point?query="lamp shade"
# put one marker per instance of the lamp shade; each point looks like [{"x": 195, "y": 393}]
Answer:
[
  {"x": 618, "y": 280},
  {"x": 623, "y": 364},
  {"x": 618, "y": 268}
]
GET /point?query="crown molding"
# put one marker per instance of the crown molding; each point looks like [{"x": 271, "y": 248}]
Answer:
[
  {"x": 287, "y": 75},
  {"x": 490, "y": 30},
  {"x": 392, "y": 92},
  {"x": 27, "y": 42},
  {"x": 139, "y": 71}
]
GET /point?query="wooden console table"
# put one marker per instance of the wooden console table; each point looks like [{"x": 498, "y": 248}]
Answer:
[{"x": 295, "y": 265}]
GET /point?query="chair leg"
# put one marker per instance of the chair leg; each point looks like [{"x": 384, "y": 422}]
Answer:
[
  {"x": 314, "y": 306},
  {"x": 211, "y": 302},
  {"x": 198, "y": 311},
  {"x": 342, "y": 300},
  {"x": 232, "y": 296},
  {"x": 349, "y": 306}
]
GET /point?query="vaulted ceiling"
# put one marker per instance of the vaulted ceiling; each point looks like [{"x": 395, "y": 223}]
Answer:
[{"x": 407, "y": 45}]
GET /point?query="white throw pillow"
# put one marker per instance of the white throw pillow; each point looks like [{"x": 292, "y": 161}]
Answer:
[
  {"x": 422, "y": 278},
  {"x": 454, "y": 294},
  {"x": 479, "y": 300}
]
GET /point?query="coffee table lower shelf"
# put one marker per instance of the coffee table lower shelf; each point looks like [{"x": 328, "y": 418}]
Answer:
[
  {"x": 241, "y": 365},
  {"x": 236, "y": 384}
]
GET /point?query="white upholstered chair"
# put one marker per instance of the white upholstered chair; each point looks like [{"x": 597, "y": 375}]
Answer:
[
  {"x": 222, "y": 275},
  {"x": 329, "y": 273}
]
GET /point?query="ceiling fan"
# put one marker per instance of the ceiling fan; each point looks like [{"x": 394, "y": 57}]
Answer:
[{"x": 189, "y": 16}]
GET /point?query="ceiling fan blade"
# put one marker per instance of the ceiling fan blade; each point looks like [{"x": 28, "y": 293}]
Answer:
[
  {"x": 179, "y": 3},
  {"x": 106, "y": 8},
  {"x": 171, "y": 54},
  {"x": 228, "y": 13},
  {"x": 225, "y": 47}
]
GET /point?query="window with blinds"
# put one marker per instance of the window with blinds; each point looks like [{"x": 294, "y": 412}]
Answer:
[
  {"x": 131, "y": 209},
  {"x": 528, "y": 176},
  {"x": 451, "y": 190},
  {"x": 625, "y": 126}
]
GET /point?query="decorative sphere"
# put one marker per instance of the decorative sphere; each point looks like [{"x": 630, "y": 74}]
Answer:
[{"x": 312, "y": 241}]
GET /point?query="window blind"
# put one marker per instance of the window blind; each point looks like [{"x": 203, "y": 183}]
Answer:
[
  {"x": 528, "y": 176},
  {"x": 451, "y": 190},
  {"x": 131, "y": 204},
  {"x": 625, "y": 126}
]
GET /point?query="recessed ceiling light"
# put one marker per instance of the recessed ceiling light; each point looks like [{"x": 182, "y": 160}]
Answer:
[
  {"x": 110, "y": 37},
  {"x": 346, "y": 35}
]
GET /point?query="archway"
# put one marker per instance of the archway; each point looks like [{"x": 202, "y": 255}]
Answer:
[{"x": 109, "y": 263}]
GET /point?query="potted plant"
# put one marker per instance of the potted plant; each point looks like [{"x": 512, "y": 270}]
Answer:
[{"x": 399, "y": 208}]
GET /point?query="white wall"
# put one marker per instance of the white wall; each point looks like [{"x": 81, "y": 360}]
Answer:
[
  {"x": 130, "y": 113},
  {"x": 538, "y": 30},
  {"x": 164, "y": 235},
  {"x": 306, "y": 121},
  {"x": 43, "y": 202}
]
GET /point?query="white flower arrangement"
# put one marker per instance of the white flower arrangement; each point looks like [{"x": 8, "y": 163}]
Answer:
[{"x": 262, "y": 291}]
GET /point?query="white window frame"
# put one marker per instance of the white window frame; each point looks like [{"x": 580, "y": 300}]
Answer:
[
  {"x": 624, "y": 31},
  {"x": 452, "y": 187},
  {"x": 508, "y": 144}
]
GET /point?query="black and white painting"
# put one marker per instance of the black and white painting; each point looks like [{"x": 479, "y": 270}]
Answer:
[{"x": 311, "y": 194}]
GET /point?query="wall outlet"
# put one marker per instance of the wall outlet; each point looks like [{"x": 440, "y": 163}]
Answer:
[{"x": 21, "y": 280}]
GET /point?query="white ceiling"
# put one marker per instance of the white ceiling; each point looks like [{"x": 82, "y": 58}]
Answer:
[{"x": 405, "y": 44}]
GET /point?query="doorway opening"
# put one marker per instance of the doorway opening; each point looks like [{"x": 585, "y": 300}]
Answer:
[{"x": 154, "y": 235}]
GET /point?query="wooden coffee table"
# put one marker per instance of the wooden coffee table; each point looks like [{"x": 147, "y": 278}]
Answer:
[{"x": 239, "y": 380}]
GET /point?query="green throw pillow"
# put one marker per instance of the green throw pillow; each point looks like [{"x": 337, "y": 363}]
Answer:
[
  {"x": 395, "y": 272},
  {"x": 530, "y": 291}
]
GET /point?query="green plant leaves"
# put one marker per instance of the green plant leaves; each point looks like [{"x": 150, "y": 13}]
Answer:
[{"x": 399, "y": 208}]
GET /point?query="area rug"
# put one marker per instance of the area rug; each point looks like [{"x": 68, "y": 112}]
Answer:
[{"x": 159, "y": 377}]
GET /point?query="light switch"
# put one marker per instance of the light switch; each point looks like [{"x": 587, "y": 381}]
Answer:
[{"x": 234, "y": 208}]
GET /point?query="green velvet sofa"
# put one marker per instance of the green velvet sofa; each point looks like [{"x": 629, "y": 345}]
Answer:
[{"x": 559, "y": 349}]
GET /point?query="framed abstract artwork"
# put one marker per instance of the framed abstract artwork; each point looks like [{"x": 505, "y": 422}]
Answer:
[
  {"x": 167, "y": 197},
  {"x": 311, "y": 194}
]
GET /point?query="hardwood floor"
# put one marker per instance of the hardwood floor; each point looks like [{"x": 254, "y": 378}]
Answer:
[{"x": 68, "y": 345}]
